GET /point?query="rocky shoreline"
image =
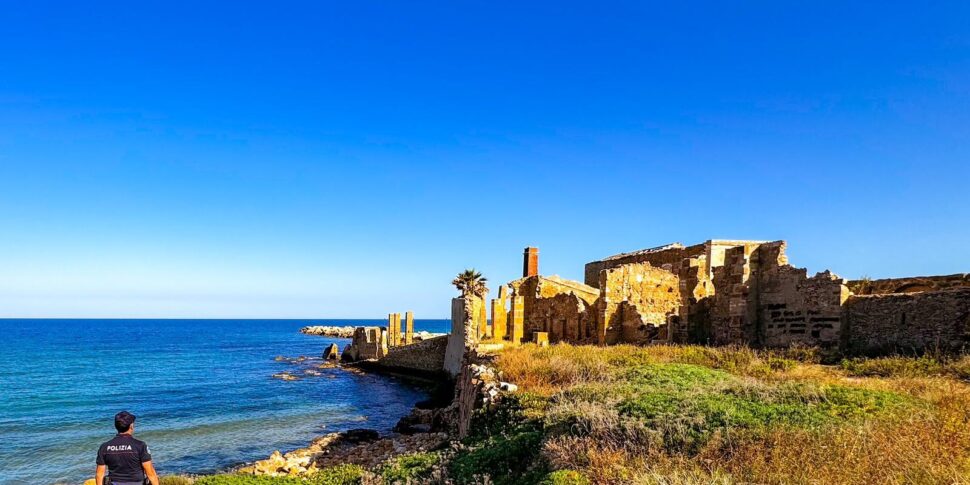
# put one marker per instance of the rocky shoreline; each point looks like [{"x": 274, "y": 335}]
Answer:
[
  {"x": 435, "y": 425},
  {"x": 363, "y": 447}
]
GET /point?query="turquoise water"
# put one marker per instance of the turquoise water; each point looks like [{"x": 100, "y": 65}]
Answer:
[{"x": 202, "y": 391}]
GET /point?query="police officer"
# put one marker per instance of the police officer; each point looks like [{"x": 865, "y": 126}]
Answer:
[{"x": 127, "y": 460}]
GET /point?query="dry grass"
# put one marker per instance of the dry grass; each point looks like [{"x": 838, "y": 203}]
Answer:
[{"x": 786, "y": 423}]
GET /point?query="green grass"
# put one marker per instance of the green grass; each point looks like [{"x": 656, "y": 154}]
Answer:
[
  {"x": 689, "y": 404},
  {"x": 689, "y": 414}
]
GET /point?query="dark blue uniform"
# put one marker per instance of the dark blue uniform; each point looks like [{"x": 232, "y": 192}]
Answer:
[{"x": 124, "y": 455}]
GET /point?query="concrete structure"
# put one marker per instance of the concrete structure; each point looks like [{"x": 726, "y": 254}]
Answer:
[{"x": 736, "y": 292}]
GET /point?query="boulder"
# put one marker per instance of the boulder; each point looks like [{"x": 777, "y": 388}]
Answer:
[
  {"x": 359, "y": 435},
  {"x": 332, "y": 352}
]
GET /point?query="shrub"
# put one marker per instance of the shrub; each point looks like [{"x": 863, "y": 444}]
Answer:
[
  {"x": 504, "y": 458},
  {"x": 409, "y": 467},
  {"x": 175, "y": 480},
  {"x": 893, "y": 367},
  {"x": 565, "y": 477},
  {"x": 960, "y": 368},
  {"x": 237, "y": 479},
  {"x": 345, "y": 474}
]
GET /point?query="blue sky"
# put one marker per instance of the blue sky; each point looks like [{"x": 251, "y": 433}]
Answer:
[{"x": 346, "y": 159}]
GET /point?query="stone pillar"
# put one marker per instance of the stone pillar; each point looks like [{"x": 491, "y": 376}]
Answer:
[
  {"x": 463, "y": 333},
  {"x": 530, "y": 262},
  {"x": 408, "y": 328},
  {"x": 602, "y": 320},
  {"x": 482, "y": 320},
  {"x": 517, "y": 320},
  {"x": 381, "y": 343},
  {"x": 394, "y": 329},
  {"x": 390, "y": 329},
  {"x": 499, "y": 319}
]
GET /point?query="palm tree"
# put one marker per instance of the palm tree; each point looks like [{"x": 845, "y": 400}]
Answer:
[{"x": 471, "y": 282}]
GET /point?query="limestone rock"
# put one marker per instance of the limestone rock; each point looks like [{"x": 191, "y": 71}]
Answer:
[
  {"x": 332, "y": 352},
  {"x": 327, "y": 331}
]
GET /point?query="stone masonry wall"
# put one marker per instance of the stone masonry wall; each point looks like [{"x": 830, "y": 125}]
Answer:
[
  {"x": 731, "y": 311},
  {"x": 635, "y": 296},
  {"x": 367, "y": 343},
  {"x": 793, "y": 308},
  {"x": 425, "y": 356},
  {"x": 762, "y": 300},
  {"x": 907, "y": 322},
  {"x": 565, "y": 316},
  {"x": 670, "y": 255},
  {"x": 556, "y": 305},
  {"x": 909, "y": 285}
]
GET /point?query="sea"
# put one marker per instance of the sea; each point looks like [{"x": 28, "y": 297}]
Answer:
[{"x": 202, "y": 392}]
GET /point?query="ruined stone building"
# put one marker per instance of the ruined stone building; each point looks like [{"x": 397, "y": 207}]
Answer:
[{"x": 731, "y": 292}]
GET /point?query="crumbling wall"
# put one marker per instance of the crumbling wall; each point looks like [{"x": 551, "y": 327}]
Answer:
[
  {"x": 559, "y": 306},
  {"x": 732, "y": 311},
  {"x": 793, "y": 308},
  {"x": 912, "y": 284},
  {"x": 696, "y": 291},
  {"x": 424, "y": 356},
  {"x": 669, "y": 256},
  {"x": 762, "y": 300},
  {"x": 367, "y": 343},
  {"x": 933, "y": 320},
  {"x": 565, "y": 316},
  {"x": 634, "y": 297}
]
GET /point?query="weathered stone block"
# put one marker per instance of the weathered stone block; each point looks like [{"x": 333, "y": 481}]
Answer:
[{"x": 541, "y": 339}]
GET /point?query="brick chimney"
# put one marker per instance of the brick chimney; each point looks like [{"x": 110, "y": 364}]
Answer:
[{"x": 530, "y": 262}]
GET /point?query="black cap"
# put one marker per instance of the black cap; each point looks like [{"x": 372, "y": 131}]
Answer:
[{"x": 123, "y": 421}]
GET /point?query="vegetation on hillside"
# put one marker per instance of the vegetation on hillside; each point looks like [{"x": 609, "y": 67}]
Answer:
[
  {"x": 698, "y": 415},
  {"x": 689, "y": 414}
]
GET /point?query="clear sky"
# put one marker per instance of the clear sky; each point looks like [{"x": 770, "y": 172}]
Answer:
[{"x": 347, "y": 159}]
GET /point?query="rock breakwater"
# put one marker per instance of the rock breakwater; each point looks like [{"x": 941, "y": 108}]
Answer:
[{"x": 329, "y": 331}]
